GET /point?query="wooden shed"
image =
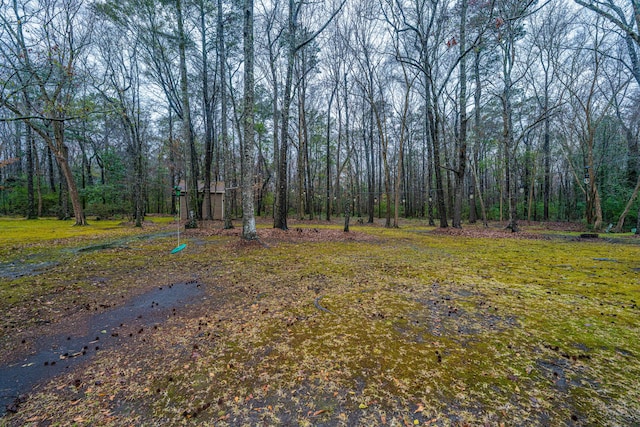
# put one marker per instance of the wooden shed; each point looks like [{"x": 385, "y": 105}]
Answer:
[{"x": 217, "y": 199}]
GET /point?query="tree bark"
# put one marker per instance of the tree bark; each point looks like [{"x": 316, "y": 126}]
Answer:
[
  {"x": 31, "y": 207},
  {"x": 61, "y": 157},
  {"x": 627, "y": 208},
  {"x": 429, "y": 162},
  {"x": 281, "y": 202},
  {"x": 328, "y": 156},
  {"x": 546, "y": 149},
  {"x": 508, "y": 59},
  {"x": 401, "y": 144},
  {"x": 292, "y": 46},
  {"x": 303, "y": 191},
  {"x": 186, "y": 122},
  {"x": 371, "y": 164},
  {"x": 248, "y": 220},
  {"x": 477, "y": 97},
  {"x": 207, "y": 113},
  {"x": 437, "y": 166},
  {"x": 228, "y": 176},
  {"x": 461, "y": 158}
]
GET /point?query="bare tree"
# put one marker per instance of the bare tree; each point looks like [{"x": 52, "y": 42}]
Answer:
[
  {"x": 187, "y": 126},
  {"x": 119, "y": 54},
  {"x": 461, "y": 146},
  {"x": 224, "y": 121},
  {"x": 248, "y": 221},
  {"x": 625, "y": 15},
  {"x": 421, "y": 26},
  {"x": 582, "y": 77},
  {"x": 509, "y": 30},
  {"x": 549, "y": 36},
  {"x": 296, "y": 40},
  {"x": 204, "y": 9},
  {"x": 46, "y": 66}
]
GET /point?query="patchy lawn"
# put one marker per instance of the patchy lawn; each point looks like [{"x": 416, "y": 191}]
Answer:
[{"x": 313, "y": 326}]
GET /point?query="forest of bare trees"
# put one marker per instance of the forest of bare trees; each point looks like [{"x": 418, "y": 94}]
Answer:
[{"x": 454, "y": 111}]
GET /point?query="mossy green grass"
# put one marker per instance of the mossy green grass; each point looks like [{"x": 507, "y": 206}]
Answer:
[{"x": 398, "y": 326}]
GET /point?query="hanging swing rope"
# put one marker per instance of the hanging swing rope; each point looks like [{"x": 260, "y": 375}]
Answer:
[{"x": 184, "y": 245}]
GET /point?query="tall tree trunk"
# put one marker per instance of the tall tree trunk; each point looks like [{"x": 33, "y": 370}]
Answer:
[
  {"x": 435, "y": 140},
  {"x": 63, "y": 197},
  {"x": 208, "y": 114},
  {"x": 62, "y": 154},
  {"x": 347, "y": 142},
  {"x": 328, "y": 156},
  {"x": 387, "y": 179},
  {"x": 248, "y": 220},
  {"x": 139, "y": 184},
  {"x": 139, "y": 169},
  {"x": 17, "y": 165},
  {"x": 371, "y": 174},
  {"x": 401, "y": 144},
  {"x": 186, "y": 121},
  {"x": 302, "y": 142},
  {"x": 546, "y": 149},
  {"x": 510, "y": 164},
  {"x": 275, "y": 111},
  {"x": 461, "y": 158},
  {"x": 307, "y": 169},
  {"x": 531, "y": 194},
  {"x": 51, "y": 170},
  {"x": 281, "y": 202},
  {"x": 477, "y": 97},
  {"x": 429, "y": 163},
  {"x": 381, "y": 125},
  {"x": 69, "y": 179},
  {"x": 226, "y": 143},
  {"x": 172, "y": 166},
  {"x": 31, "y": 208},
  {"x": 507, "y": 131},
  {"x": 292, "y": 46},
  {"x": 38, "y": 174}
]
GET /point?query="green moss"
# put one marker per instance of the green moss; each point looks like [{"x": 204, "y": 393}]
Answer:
[
  {"x": 475, "y": 330},
  {"x": 520, "y": 315}
]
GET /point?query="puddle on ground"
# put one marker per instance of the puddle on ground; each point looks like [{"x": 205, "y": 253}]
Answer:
[
  {"x": 20, "y": 268},
  {"x": 57, "y": 354},
  {"x": 15, "y": 270},
  {"x": 120, "y": 243}
]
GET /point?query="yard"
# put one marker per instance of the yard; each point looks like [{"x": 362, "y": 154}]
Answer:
[{"x": 313, "y": 326}]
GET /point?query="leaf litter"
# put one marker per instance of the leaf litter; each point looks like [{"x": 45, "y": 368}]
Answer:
[{"x": 380, "y": 327}]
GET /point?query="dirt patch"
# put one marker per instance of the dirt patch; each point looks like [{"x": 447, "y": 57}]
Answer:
[
  {"x": 56, "y": 353},
  {"x": 305, "y": 327},
  {"x": 273, "y": 236},
  {"x": 14, "y": 270},
  {"x": 491, "y": 233}
]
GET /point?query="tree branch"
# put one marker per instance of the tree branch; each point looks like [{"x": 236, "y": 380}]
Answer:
[
  {"x": 321, "y": 29},
  {"x": 613, "y": 19}
]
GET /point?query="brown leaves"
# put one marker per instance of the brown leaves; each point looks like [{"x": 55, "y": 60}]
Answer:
[
  {"x": 260, "y": 348},
  {"x": 491, "y": 233},
  {"x": 272, "y": 236}
]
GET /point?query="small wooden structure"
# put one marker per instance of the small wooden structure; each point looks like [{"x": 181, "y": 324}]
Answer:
[{"x": 217, "y": 199}]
